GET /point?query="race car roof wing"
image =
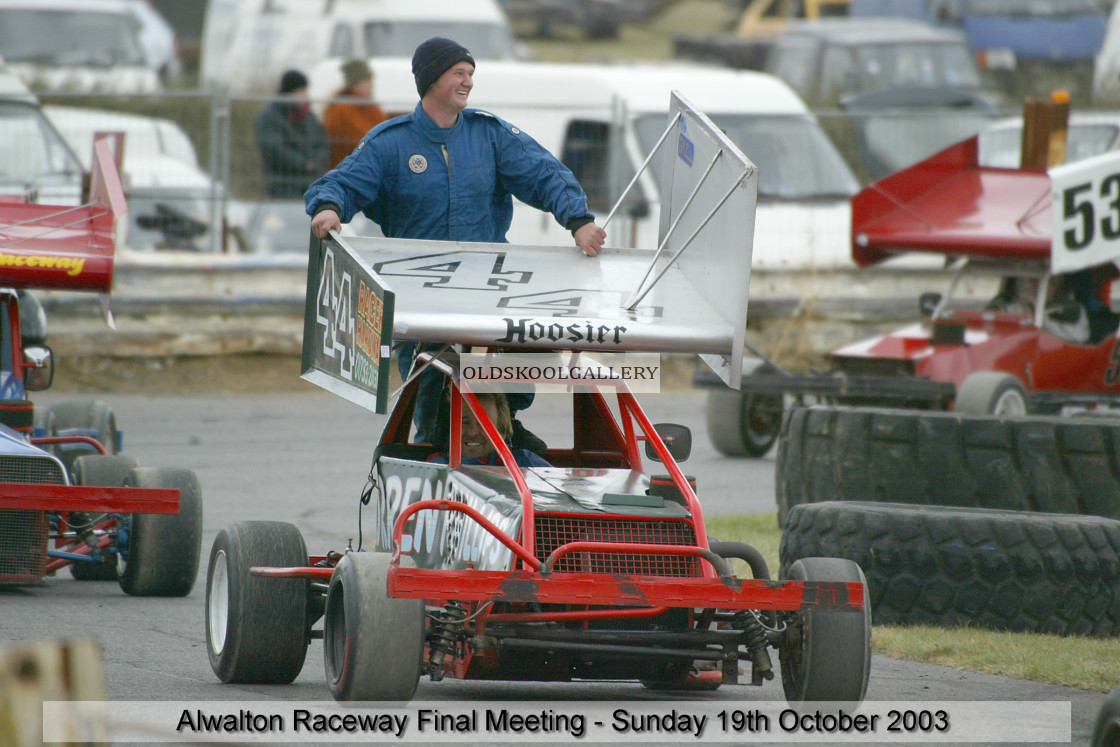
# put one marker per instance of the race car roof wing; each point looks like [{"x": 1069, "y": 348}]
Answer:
[
  {"x": 66, "y": 248},
  {"x": 949, "y": 204},
  {"x": 364, "y": 293}
]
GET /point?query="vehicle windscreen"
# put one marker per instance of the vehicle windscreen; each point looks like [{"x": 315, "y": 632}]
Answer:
[
  {"x": 795, "y": 159},
  {"x": 1002, "y": 148},
  {"x": 30, "y": 148},
  {"x": 1025, "y": 8},
  {"x": 875, "y": 66},
  {"x": 69, "y": 37},
  {"x": 400, "y": 38}
]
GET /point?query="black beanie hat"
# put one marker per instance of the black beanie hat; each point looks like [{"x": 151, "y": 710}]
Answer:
[
  {"x": 435, "y": 57},
  {"x": 293, "y": 80}
]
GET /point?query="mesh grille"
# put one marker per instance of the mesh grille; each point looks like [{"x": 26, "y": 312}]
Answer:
[
  {"x": 553, "y": 530},
  {"x": 23, "y": 546},
  {"x": 32, "y": 470}
]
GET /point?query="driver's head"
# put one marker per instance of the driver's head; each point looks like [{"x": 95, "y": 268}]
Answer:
[{"x": 475, "y": 443}]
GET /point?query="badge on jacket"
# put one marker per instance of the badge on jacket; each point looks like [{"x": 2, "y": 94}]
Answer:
[{"x": 418, "y": 164}]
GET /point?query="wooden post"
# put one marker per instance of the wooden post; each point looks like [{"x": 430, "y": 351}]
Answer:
[
  {"x": 32, "y": 673},
  {"x": 1045, "y": 124}
]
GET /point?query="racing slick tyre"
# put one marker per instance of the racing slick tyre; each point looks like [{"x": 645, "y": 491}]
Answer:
[
  {"x": 1003, "y": 570},
  {"x": 743, "y": 423},
  {"x": 826, "y": 654},
  {"x": 108, "y": 471},
  {"x": 991, "y": 393},
  {"x": 257, "y": 629},
  {"x": 93, "y": 416},
  {"x": 1067, "y": 465},
  {"x": 372, "y": 644},
  {"x": 163, "y": 549},
  {"x": 1106, "y": 729}
]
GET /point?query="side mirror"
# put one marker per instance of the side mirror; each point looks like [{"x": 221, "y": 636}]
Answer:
[
  {"x": 928, "y": 303},
  {"x": 677, "y": 438},
  {"x": 38, "y": 368}
]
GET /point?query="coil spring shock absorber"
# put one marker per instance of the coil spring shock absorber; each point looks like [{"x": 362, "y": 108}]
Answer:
[
  {"x": 754, "y": 638},
  {"x": 444, "y": 632}
]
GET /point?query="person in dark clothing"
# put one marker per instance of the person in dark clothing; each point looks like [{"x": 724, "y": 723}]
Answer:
[{"x": 292, "y": 141}]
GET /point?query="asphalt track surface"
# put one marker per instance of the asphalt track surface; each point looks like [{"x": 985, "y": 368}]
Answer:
[{"x": 303, "y": 458}]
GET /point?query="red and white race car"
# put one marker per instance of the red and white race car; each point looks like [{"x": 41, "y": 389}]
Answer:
[{"x": 1046, "y": 342}]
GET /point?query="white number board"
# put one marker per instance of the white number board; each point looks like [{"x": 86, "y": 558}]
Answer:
[{"x": 1085, "y": 204}]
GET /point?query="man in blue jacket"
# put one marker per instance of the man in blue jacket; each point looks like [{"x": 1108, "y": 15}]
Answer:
[{"x": 448, "y": 172}]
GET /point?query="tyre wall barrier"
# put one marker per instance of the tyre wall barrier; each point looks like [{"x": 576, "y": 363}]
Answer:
[
  {"x": 936, "y": 565},
  {"x": 1029, "y": 463}
]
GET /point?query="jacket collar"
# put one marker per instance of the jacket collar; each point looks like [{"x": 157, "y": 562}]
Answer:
[{"x": 429, "y": 129}]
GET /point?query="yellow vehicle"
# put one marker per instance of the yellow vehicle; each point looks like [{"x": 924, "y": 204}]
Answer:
[{"x": 769, "y": 17}]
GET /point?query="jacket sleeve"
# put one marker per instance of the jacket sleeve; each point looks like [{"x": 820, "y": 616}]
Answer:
[
  {"x": 352, "y": 186},
  {"x": 536, "y": 177}
]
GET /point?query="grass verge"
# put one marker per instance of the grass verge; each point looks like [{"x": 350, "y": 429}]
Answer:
[{"x": 1071, "y": 661}]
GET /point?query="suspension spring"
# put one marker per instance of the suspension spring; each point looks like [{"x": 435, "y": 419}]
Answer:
[
  {"x": 754, "y": 638},
  {"x": 445, "y": 629}
]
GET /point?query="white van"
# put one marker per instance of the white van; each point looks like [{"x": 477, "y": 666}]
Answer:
[
  {"x": 248, "y": 44},
  {"x": 602, "y": 121},
  {"x": 37, "y": 163}
]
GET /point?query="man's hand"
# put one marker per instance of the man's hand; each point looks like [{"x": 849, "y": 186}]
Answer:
[
  {"x": 590, "y": 238},
  {"x": 325, "y": 222}
]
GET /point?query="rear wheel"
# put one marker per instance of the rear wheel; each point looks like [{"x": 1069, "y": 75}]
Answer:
[
  {"x": 826, "y": 654},
  {"x": 744, "y": 423},
  {"x": 991, "y": 393},
  {"x": 163, "y": 549},
  {"x": 1106, "y": 729},
  {"x": 257, "y": 629},
  {"x": 83, "y": 417},
  {"x": 107, "y": 471},
  {"x": 372, "y": 644}
]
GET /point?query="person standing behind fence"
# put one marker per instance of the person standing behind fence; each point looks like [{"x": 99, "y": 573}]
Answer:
[
  {"x": 292, "y": 142},
  {"x": 348, "y": 121}
]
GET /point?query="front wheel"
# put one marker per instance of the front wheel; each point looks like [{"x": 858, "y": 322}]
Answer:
[
  {"x": 742, "y": 423},
  {"x": 161, "y": 559},
  {"x": 257, "y": 629},
  {"x": 991, "y": 393},
  {"x": 826, "y": 654},
  {"x": 373, "y": 644}
]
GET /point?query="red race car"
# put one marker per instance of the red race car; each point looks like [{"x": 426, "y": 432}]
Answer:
[{"x": 1045, "y": 342}]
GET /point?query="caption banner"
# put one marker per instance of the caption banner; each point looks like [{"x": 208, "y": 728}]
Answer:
[{"x": 714, "y": 722}]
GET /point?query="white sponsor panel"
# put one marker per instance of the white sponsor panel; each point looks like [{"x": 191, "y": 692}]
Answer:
[
  {"x": 1085, "y": 202},
  {"x": 515, "y": 722},
  {"x": 559, "y": 372}
]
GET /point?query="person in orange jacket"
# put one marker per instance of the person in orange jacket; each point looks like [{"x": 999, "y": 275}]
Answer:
[{"x": 347, "y": 121}]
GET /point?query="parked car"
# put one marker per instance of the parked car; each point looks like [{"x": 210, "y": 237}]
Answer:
[
  {"x": 169, "y": 196},
  {"x": 38, "y": 164},
  {"x": 827, "y": 60},
  {"x": 76, "y": 45}
]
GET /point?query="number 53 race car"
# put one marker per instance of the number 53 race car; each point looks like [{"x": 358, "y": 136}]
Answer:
[{"x": 571, "y": 563}]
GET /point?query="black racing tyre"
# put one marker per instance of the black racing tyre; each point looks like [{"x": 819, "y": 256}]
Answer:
[
  {"x": 1033, "y": 463},
  {"x": 826, "y": 654},
  {"x": 257, "y": 629},
  {"x": 743, "y": 423},
  {"x": 991, "y": 393},
  {"x": 108, "y": 471},
  {"x": 1106, "y": 729},
  {"x": 87, "y": 415},
  {"x": 372, "y": 644},
  {"x": 163, "y": 549},
  {"x": 938, "y": 565}
]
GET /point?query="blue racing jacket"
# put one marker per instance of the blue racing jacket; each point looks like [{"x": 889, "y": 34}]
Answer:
[{"x": 421, "y": 181}]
